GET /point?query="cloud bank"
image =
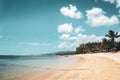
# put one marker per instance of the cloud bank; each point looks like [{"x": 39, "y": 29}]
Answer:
[{"x": 75, "y": 37}]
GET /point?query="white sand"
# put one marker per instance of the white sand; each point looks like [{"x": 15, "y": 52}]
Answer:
[{"x": 99, "y": 66}]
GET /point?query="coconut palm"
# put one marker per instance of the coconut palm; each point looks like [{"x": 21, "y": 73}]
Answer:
[
  {"x": 112, "y": 35},
  {"x": 106, "y": 44}
]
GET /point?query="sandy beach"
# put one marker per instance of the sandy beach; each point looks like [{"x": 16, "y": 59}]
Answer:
[{"x": 100, "y": 66}]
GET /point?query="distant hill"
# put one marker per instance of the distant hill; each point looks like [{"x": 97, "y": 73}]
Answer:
[
  {"x": 65, "y": 53},
  {"x": 39, "y": 55}
]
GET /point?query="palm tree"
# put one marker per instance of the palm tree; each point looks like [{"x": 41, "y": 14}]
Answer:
[
  {"x": 106, "y": 44},
  {"x": 112, "y": 35}
]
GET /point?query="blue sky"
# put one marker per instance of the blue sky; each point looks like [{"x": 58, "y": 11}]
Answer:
[{"x": 45, "y": 26}]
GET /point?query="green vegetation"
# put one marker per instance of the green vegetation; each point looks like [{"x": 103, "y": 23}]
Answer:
[{"x": 107, "y": 45}]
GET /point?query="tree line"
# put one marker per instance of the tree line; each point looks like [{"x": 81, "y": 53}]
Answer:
[{"x": 107, "y": 45}]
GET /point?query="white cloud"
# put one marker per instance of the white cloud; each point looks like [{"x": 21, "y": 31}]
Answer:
[
  {"x": 64, "y": 36},
  {"x": 66, "y": 45},
  {"x": 118, "y": 39},
  {"x": 76, "y": 40},
  {"x": 96, "y": 17},
  {"x": 75, "y": 37},
  {"x": 111, "y": 1},
  {"x": 62, "y": 45},
  {"x": 78, "y": 29},
  {"x": 117, "y": 2},
  {"x": 118, "y": 33},
  {"x": 71, "y": 11},
  {"x": 81, "y": 38},
  {"x": 36, "y": 44},
  {"x": 66, "y": 28}
]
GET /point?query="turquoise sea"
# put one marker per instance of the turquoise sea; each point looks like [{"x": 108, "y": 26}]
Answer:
[
  {"x": 45, "y": 61},
  {"x": 10, "y": 66}
]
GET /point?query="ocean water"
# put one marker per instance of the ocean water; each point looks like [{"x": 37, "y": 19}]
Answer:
[
  {"x": 15, "y": 66},
  {"x": 12, "y": 67},
  {"x": 48, "y": 61}
]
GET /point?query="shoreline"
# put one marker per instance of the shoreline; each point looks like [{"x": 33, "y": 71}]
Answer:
[{"x": 99, "y": 66}]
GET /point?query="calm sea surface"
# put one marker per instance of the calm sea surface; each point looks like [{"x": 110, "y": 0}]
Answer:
[
  {"x": 13, "y": 66},
  {"x": 36, "y": 61}
]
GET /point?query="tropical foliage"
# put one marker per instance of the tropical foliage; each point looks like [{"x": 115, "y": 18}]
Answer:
[{"x": 106, "y": 45}]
